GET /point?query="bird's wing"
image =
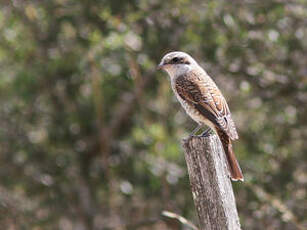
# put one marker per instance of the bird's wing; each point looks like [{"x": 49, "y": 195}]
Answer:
[{"x": 204, "y": 95}]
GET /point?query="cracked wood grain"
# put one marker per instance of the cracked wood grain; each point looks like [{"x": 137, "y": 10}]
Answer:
[{"x": 210, "y": 183}]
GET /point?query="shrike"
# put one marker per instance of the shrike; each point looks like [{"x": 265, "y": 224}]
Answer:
[{"x": 203, "y": 102}]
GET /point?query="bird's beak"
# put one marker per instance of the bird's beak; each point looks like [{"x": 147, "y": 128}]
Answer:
[{"x": 160, "y": 66}]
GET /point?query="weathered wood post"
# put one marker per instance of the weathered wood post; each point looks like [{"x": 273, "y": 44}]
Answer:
[{"x": 211, "y": 186}]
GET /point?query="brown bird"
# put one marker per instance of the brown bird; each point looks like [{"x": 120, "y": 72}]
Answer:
[{"x": 203, "y": 102}]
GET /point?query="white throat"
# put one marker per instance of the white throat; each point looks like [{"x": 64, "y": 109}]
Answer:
[{"x": 177, "y": 70}]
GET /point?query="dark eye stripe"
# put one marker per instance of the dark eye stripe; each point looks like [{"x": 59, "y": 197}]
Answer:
[
  {"x": 175, "y": 60},
  {"x": 179, "y": 60}
]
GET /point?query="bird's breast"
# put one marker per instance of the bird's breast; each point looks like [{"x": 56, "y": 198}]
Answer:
[{"x": 191, "y": 111}]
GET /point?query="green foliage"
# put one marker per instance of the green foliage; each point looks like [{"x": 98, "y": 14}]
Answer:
[{"x": 90, "y": 132}]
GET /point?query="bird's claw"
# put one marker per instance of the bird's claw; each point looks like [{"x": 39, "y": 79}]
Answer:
[{"x": 206, "y": 133}]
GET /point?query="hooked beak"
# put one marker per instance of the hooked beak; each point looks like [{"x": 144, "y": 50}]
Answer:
[{"x": 160, "y": 66}]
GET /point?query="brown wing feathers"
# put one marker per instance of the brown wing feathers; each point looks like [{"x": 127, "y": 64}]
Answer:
[{"x": 208, "y": 100}]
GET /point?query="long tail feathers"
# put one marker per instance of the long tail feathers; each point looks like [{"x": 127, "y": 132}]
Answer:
[{"x": 233, "y": 165}]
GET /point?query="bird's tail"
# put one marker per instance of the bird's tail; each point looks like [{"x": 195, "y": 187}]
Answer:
[{"x": 233, "y": 165}]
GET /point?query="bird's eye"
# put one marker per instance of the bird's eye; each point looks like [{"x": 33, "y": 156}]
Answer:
[{"x": 175, "y": 59}]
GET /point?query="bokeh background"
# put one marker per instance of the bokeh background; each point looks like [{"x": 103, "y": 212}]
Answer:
[{"x": 90, "y": 132}]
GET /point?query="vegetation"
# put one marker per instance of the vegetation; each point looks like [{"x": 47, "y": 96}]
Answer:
[{"x": 90, "y": 132}]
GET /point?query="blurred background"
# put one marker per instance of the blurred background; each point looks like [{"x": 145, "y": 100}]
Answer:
[{"x": 90, "y": 132}]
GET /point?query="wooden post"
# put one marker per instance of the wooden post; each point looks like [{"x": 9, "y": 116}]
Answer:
[{"x": 211, "y": 186}]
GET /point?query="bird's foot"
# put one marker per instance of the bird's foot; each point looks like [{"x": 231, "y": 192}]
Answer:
[
  {"x": 193, "y": 135},
  {"x": 195, "y": 131},
  {"x": 206, "y": 133}
]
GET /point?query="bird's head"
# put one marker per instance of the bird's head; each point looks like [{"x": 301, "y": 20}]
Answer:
[{"x": 177, "y": 63}]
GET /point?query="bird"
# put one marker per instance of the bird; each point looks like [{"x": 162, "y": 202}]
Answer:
[{"x": 203, "y": 102}]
